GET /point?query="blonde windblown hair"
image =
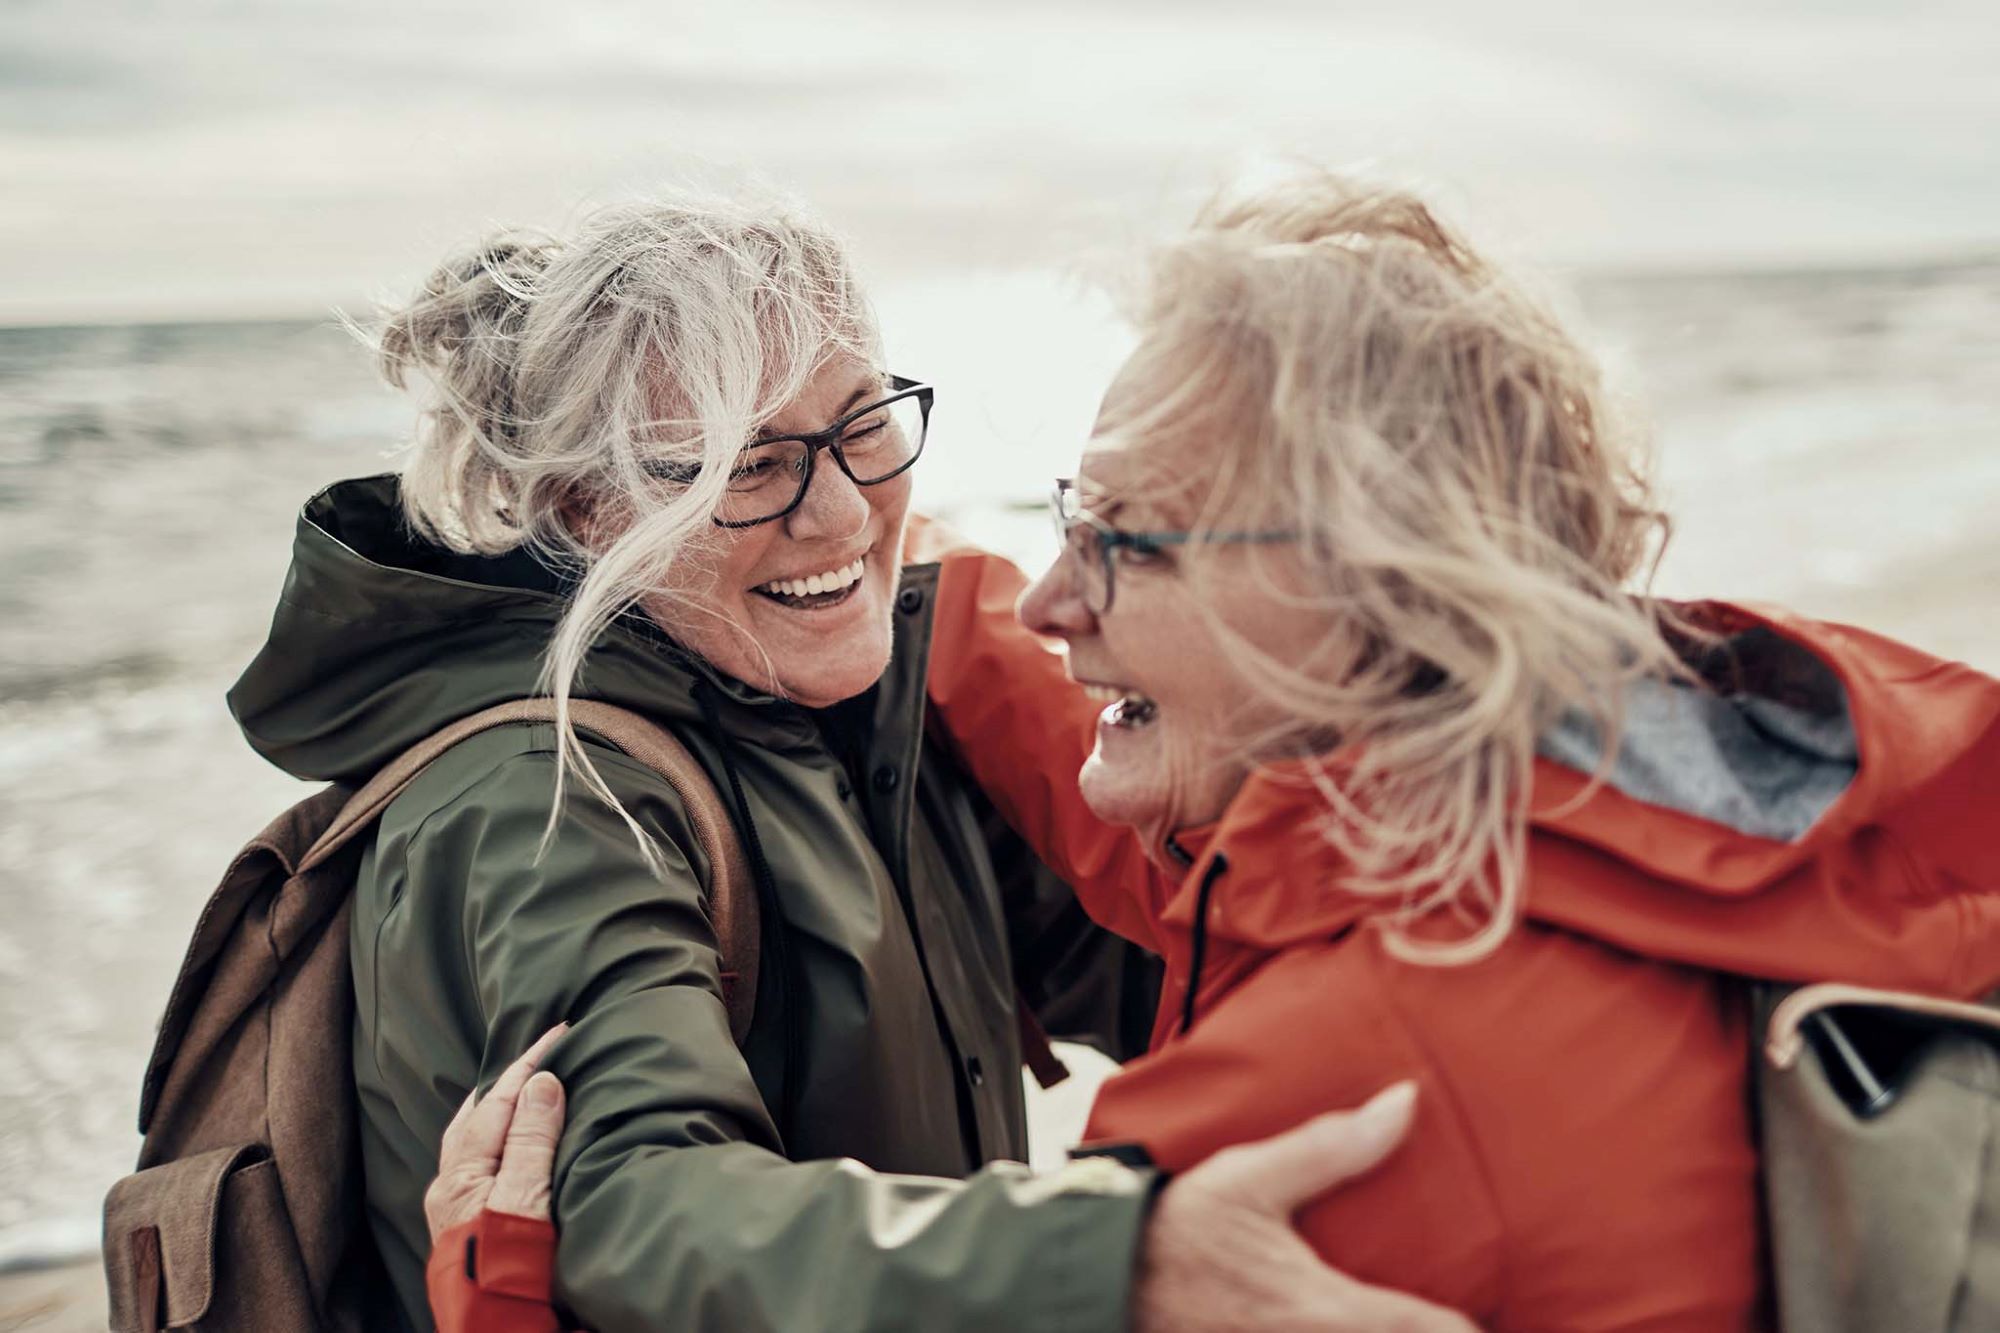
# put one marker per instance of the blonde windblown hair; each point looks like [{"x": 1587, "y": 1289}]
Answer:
[
  {"x": 554, "y": 369},
  {"x": 1470, "y": 510}
]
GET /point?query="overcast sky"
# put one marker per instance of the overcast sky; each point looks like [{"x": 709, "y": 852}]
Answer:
[{"x": 211, "y": 157}]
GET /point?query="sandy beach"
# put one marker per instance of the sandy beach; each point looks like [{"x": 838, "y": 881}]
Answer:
[{"x": 69, "y": 1299}]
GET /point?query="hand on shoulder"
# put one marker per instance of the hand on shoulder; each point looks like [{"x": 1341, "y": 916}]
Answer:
[{"x": 499, "y": 1151}]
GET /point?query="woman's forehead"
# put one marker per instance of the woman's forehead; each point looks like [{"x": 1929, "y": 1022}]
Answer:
[
  {"x": 838, "y": 387},
  {"x": 1108, "y": 468},
  {"x": 1152, "y": 429},
  {"x": 1139, "y": 478}
]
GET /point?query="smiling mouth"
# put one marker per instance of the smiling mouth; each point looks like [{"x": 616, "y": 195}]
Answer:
[
  {"x": 816, "y": 591},
  {"x": 1127, "y": 709}
]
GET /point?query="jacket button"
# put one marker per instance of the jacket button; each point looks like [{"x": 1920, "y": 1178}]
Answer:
[
  {"x": 841, "y": 789},
  {"x": 885, "y": 779},
  {"x": 910, "y": 601},
  {"x": 975, "y": 1071}
]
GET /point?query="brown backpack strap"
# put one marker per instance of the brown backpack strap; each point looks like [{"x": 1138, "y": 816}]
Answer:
[
  {"x": 1037, "y": 1052},
  {"x": 732, "y": 897},
  {"x": 732, "y": 901}
]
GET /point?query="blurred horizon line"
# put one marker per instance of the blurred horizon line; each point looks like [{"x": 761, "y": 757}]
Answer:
[{"x": 1944, "y": 259}]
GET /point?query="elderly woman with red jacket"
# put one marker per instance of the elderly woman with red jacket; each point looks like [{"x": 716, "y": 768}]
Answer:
[{"x": 1388, "y": 759}]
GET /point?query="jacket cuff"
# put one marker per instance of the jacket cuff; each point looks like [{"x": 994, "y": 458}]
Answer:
[
  {"x": 514, "y": 1256},
  {"x": 1092, "y": 1254},
  {"x": 493, "y": 1273},
  {"x": 448, "y": 1266}
]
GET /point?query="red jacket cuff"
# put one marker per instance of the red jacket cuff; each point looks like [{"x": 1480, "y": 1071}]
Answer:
[{"x": 495, "y": 1273}]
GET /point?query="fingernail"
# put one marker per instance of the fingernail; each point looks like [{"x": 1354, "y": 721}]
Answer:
[
  {"x": 1385, "y": 1114},
  {"x": 540, "y": 1094}
]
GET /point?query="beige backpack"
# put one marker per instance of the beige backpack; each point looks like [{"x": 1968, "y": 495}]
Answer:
[
  {"x": 1880, "y": 1123},
  {"x": 246, "y": 1210}
]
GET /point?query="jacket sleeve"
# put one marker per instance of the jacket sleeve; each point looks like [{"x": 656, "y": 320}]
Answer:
[
  {"x": 1022, "y": 729},
  {"x": 494, "y": 1275},
  {"x": 675, "y": 1208}
]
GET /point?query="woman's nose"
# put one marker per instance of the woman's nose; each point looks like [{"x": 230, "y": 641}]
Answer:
[
  {"x": 833, "y": 506},
  {"x": 1052, "y": 606}
]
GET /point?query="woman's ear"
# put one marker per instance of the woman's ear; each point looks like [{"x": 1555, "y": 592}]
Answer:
[
  {"x": 575, "y": 518},
  {"x": 588, "y": 522}
]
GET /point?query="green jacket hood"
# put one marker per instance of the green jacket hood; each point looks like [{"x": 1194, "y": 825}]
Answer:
[{"x": 382, "y": 637}]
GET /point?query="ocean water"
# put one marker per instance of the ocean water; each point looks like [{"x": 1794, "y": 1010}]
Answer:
[{"x": 1827, "y": 439}]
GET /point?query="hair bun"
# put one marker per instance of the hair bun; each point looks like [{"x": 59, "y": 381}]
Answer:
[{"x": 462, "y": 328}]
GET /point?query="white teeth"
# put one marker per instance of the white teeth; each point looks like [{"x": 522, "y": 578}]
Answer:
[
  {"x": 834, "y": 580},
  {"x": 1133, "y": 706},
  {"x": 1133, "y": 711}
]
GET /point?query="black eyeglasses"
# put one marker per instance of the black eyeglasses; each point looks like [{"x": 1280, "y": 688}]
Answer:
[
  {"x": 1094, "y": 544},
  {"x": 870, "y": 444}
]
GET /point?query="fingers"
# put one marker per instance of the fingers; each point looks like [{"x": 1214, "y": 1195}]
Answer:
[
  {"x": 476, "y": 1134},
  {"x": 516, "y": 1075},
  {"x": 528, "y": 1161},
  {"x": 1281, "y": 1173}
]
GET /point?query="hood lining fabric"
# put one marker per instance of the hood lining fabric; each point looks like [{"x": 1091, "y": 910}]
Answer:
[{"x": 1765, "y": 751}]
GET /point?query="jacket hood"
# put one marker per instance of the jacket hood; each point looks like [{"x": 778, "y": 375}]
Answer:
[
  {"x": 380, "y": 638},
  {"x": 1822, "y": 811}
]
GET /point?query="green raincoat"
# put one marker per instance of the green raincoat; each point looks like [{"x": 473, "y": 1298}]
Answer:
[{"x": 689, "y": 1192}]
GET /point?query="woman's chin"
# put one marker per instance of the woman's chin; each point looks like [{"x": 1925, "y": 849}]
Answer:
[
  {"x": 1121, "y": 793},
  {"x": 840, "y": 674},
  {"x": 1159, "y": 791},
  {"x": 789, "y": 654}
]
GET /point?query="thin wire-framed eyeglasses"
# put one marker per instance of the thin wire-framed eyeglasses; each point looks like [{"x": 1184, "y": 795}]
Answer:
[
  {"x": 871, "y": 444},
  {"x": 1091, "y": 545}
]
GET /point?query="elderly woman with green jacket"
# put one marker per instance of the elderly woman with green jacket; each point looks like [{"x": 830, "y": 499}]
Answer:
[{"x": 662, "y": 465}]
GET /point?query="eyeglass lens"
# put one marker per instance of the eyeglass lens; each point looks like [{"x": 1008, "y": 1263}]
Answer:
[
  {"x": 769, "y": 478},
  {"x": 1083, "y": 548}
]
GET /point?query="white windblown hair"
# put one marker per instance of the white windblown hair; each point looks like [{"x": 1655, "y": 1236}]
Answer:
[
  {"x": 554, "y": 369},
  {"x": 1470, "y": 505}
]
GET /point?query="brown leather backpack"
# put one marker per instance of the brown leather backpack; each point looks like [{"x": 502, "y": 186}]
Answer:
[{"x": 246, "y": 1210}]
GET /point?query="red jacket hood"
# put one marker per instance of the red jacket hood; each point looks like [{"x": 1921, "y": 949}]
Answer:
[{"x": 1826, "y": 813}]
